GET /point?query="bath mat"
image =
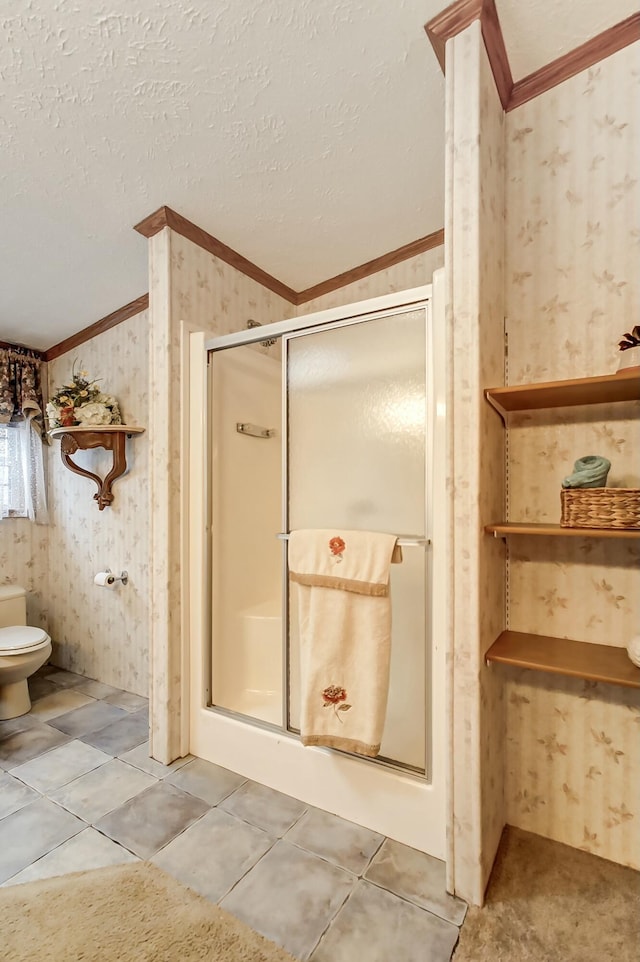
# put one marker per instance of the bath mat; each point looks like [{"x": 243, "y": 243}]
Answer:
[
  {"x": 547, "y": 902},
  {"x": 124, "y": 913}
]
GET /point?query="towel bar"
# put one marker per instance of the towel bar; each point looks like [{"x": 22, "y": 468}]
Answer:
[{"x": 403, "y": 542}]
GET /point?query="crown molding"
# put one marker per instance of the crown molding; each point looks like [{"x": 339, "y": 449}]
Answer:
[
  {"x": 166, "y": 217},
  {"x": 459, "y": 15},
  {"x": 604, "y": 45},
  {"x": 457, "y": 18},
  {"x": 450, "y": 22},
  {"x": 381, "y": 263},
  {"x": 104, "y": 324}
]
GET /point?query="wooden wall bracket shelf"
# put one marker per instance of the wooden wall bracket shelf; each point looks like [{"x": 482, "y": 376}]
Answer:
[
  {"x": 563, "y": 656},
  {"x": 111, "y": 437},
  {"x": 503, "y": 529},
  {"x": 607, "y": 388}
]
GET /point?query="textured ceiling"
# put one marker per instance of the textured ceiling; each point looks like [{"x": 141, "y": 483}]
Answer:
[
  {"x": 538, "y": 31},
  {"x": 306, "y": 134}
]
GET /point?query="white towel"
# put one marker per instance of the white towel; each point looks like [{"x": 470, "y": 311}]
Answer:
[{"x": 344, "y": 610}]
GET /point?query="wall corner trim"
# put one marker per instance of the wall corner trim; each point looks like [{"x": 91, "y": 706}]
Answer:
[
  {"x": 419, "y": 246},
  {"x": 459, "y": 15},
  {"x": 104, "y": 324},
  {"x": 450, "y": 22},
  {"x": 457, "y": 18},
  {"x": 600, "y": 47},
  {"x": 166, "y": 217}
]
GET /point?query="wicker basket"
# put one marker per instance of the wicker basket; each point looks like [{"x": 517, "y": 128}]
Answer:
[{"x": 600, "y": 507}]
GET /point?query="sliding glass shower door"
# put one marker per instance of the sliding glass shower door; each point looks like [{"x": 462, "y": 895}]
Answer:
[
  {"x": 326, "y": 428},
  {"x": 356, "y": 426}
]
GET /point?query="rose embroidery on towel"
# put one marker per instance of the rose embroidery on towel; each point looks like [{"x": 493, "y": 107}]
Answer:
[
  {"x": 336, "y": 547},
  {"x": 334, "y": 697}
]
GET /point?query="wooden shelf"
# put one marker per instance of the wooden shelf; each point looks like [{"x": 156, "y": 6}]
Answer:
[
  {"x": 561, "y": 656},
  {"x": 111, "y": 437},
  {"x": 79, "y": 430},
  {"x": 503, "y": 528},
  {"x": 624, "y": 386}
]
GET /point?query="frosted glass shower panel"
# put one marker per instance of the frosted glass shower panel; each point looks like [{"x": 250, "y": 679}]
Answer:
[
  {"x": 246, "y": 484},
  {"x": 357, "y": 415}
]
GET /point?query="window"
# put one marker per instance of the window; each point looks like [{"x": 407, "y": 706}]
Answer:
[{"x": 22, "y": 491}]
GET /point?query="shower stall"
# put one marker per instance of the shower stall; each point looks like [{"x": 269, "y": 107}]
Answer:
[{"x": 331, "y": 420}]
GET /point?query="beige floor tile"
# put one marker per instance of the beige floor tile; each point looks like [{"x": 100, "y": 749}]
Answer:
[
  {"x": 378, "y": 926},
  {"x": 344, "y": 843},
  {"x": 14, "y": 794},
  {"x": 58, "y": 703},
  {"x": 139, "y": 757},
  {"x": 60, "y": 766},
  {"x": 204, "y": 780},
  {"x": 233, "y": 847},
  {"x": 415, "y": 876},
  {"x": 87, "y": 850},
  {"x": 30, "y": 741},
  {"x": 31, "y": 832},
  {"x": 290, "y": 897},
  {"x": 151, "y": 820},
  {"x": 101, "y": 791},
  {"x": 271, "y": 811}
]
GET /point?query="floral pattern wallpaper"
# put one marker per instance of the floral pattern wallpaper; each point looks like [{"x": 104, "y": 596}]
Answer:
[
  {"x": 414, "y": 272},
  {"x": 474, "y": 229},
  {"x": 97, "y": 632},
  {"x": 190, "y": 290},
  {"x": 573, "y": 243},
  {"x": 24, "y": 558}
]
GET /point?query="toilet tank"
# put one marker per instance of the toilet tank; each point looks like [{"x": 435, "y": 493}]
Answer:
[{"x": 13, "y": 606}]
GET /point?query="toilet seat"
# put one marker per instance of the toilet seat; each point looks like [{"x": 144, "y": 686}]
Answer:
[{"x": 21, "y": 639}]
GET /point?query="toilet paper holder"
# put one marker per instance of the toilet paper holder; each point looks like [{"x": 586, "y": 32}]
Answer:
[{"x": 123, "y": 576}]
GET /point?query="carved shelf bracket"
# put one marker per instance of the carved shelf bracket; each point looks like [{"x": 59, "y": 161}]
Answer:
[{"x": 111, "y": 438}]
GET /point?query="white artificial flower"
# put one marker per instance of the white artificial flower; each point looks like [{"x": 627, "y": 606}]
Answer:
[
  {"x": 112, "y": 404},
  {"x": 93, "y": 414}
]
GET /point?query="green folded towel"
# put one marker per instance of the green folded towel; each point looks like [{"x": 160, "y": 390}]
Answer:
[{"x": 588, "y": 472}]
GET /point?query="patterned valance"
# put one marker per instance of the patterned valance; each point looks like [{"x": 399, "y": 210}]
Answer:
[{"x": 20, "y": 386}]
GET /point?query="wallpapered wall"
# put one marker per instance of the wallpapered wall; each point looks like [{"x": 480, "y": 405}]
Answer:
[
  {"x": 474, "y": 228},
  {"x": 100, "y": 633},
  {"x": 23, "y": 561},
  {"x": 573, "y": 230},
  {"x": 414, "y": 272},
  {"x": 190, "y": 289}
]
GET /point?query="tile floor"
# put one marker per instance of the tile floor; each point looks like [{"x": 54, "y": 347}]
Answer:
[{"x": 79, "y": 791}]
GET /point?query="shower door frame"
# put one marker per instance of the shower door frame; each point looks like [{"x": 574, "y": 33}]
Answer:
[{"x": 399, "y": 804}]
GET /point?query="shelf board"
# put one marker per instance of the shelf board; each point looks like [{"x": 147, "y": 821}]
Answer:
[
  {"x": 624, "y": 386},
  {"x": 503, "y": 528},
  {"x": 561, "y": 656},
  {"x": 79, "y": 430}
]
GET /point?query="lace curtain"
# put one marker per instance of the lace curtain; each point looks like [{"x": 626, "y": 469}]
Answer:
[{"x": 22, "y": 486}]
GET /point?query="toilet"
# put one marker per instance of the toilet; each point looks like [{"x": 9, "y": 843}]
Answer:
[{"x": 22, "y": 651}]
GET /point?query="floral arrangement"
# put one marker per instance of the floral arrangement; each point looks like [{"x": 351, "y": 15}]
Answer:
[
  {"x": 631, "y": 340},
  {"x": 82, "y": 403}
]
